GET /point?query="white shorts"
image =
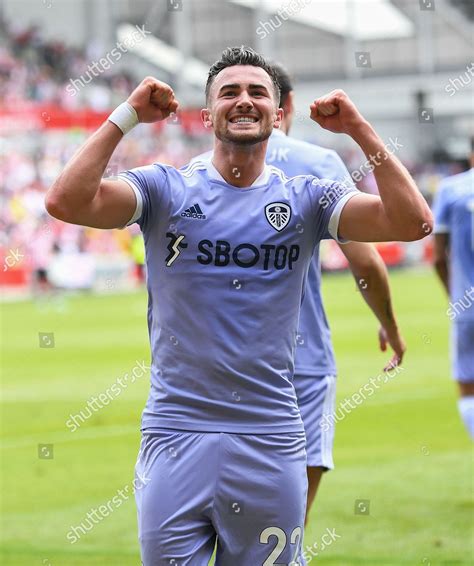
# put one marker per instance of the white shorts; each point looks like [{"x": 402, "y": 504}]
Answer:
[{"x": 316, "y": 400}]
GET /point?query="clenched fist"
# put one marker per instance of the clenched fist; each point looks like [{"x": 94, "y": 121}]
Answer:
[
  {"x": 337, "y": 113},
  {"x": 153, "y": 100}
]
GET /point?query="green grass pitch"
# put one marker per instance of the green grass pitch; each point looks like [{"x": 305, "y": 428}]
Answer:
[{"x": 404, "y": 449}]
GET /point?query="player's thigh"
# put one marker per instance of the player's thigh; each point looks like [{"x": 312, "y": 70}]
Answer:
[
  {"x": 316, "y": 401},
  {"x": 173, "y": 490},
  {"x": 462, "y": 352},
  {"x": 262, "y": 499}
]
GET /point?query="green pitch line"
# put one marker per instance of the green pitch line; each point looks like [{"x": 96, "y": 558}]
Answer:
[{"x": 403, "y": 452}]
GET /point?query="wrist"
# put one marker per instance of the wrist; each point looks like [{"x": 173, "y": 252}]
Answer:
[
  {"x": 391, "y": 328},
  {"x": 125, "y": 117},
  {"x": 366, "y": 137}
]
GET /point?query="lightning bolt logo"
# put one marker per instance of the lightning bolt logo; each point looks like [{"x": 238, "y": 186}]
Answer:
[{"x": 174, "y": 247}]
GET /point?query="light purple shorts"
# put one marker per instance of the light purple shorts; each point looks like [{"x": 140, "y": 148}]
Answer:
[{"x": 248, "y": 492}]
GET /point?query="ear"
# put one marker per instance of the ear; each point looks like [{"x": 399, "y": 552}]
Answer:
[{"x": 206, "y": 118}]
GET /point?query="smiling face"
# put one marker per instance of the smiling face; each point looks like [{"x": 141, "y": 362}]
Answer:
[{"x": 242, "y": 105}]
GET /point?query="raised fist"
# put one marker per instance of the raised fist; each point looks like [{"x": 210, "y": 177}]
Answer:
[
  {"x": 337, "y": 113},
  {"x": 153, "y": 100}
]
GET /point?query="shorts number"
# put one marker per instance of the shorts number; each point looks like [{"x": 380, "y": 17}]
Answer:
[
  {"x": 280, "y": 535},
  {"x": 296, "y": 539}
]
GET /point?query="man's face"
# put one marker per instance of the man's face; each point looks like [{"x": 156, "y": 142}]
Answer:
[{"x": 242, "y": 105}]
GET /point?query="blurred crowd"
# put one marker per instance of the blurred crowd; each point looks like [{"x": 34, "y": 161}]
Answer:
[
  {"x": 29, "y": 166},
  {"x": 38, "y": 71},
  {"x": 32, "y": 69}
]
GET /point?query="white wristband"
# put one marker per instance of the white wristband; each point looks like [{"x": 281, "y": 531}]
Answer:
[{"x": 124, "y": 117}]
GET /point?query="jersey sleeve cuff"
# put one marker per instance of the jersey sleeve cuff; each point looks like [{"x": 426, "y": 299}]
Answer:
[
  {"x": 333, "y": 226},
  {"x": 138, "y": 196}
]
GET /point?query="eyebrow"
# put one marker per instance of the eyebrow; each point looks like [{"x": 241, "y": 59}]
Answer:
[{"x": 237, "y": 86}]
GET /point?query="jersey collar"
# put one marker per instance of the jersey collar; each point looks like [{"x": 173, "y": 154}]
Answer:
[{"x": 213, "y": 173}]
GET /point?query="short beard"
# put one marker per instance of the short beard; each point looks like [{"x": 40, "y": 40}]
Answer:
[{"x": 225, "y": 137}]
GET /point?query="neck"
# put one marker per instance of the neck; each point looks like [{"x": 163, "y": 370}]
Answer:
[
  {"x": 239, "y": 165},
  {"x": 285, "y": 126}
]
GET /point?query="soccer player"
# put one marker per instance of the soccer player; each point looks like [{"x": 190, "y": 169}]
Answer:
[
  {"x": 315, "y": 366},
  {"x": 454, "y": 263},
  {"x": 223, "y": 445}
]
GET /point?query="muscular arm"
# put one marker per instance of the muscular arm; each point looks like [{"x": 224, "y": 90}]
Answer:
[
  {"x": 400, "y": 213},
  {"x": 80, "y": 195},
  {"x": 371, "y": 276},
  {"x": 441, "y": 255}
]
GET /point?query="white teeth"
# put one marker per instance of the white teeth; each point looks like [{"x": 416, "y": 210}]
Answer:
[{"x": 244, "y": 119}]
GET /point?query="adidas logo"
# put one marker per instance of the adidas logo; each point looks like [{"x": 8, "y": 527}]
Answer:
[{"x": 194, "y": 212}]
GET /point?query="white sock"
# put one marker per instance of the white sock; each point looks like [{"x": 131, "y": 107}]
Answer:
[{"x": 466, "y": 408}]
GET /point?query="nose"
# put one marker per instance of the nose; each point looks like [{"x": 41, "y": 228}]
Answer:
[{"x": 244, "y": 102}]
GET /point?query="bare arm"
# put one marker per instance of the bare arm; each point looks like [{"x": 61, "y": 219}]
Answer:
[
  {"x": 400, "y": 213},
  {"x": 441, "y": 255},
  {"x": 80, "y": 195},
  {"x": 371, "y": 276}
]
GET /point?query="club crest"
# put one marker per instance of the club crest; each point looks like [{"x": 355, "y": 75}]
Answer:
[{"x": 278, "y": 215}]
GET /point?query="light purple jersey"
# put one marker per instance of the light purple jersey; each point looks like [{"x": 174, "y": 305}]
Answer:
[
  {"x": 226, "y": 270},
  {"x": 454, "y": 215}
]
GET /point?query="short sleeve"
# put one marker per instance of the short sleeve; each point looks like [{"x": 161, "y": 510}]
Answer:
[
  {"x": 328, "y": 200},
  {"x": 441, "y": 211},
  {"x": 148, "y": 184}
]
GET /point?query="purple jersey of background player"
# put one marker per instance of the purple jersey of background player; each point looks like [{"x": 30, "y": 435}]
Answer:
[{"x": 454, "y": 215}]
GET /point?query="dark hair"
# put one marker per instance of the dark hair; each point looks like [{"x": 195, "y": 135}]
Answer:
[
  {"x": 284, "y": 80},
  {"x": 241, "y": 56}
]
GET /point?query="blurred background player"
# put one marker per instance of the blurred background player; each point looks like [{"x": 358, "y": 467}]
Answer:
[
  {"x": 41, "y": 248},
  {"x": 454, "y": 264},
  {"x": 137, "y": 252},
  {"x": 315, "y": 367}
]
